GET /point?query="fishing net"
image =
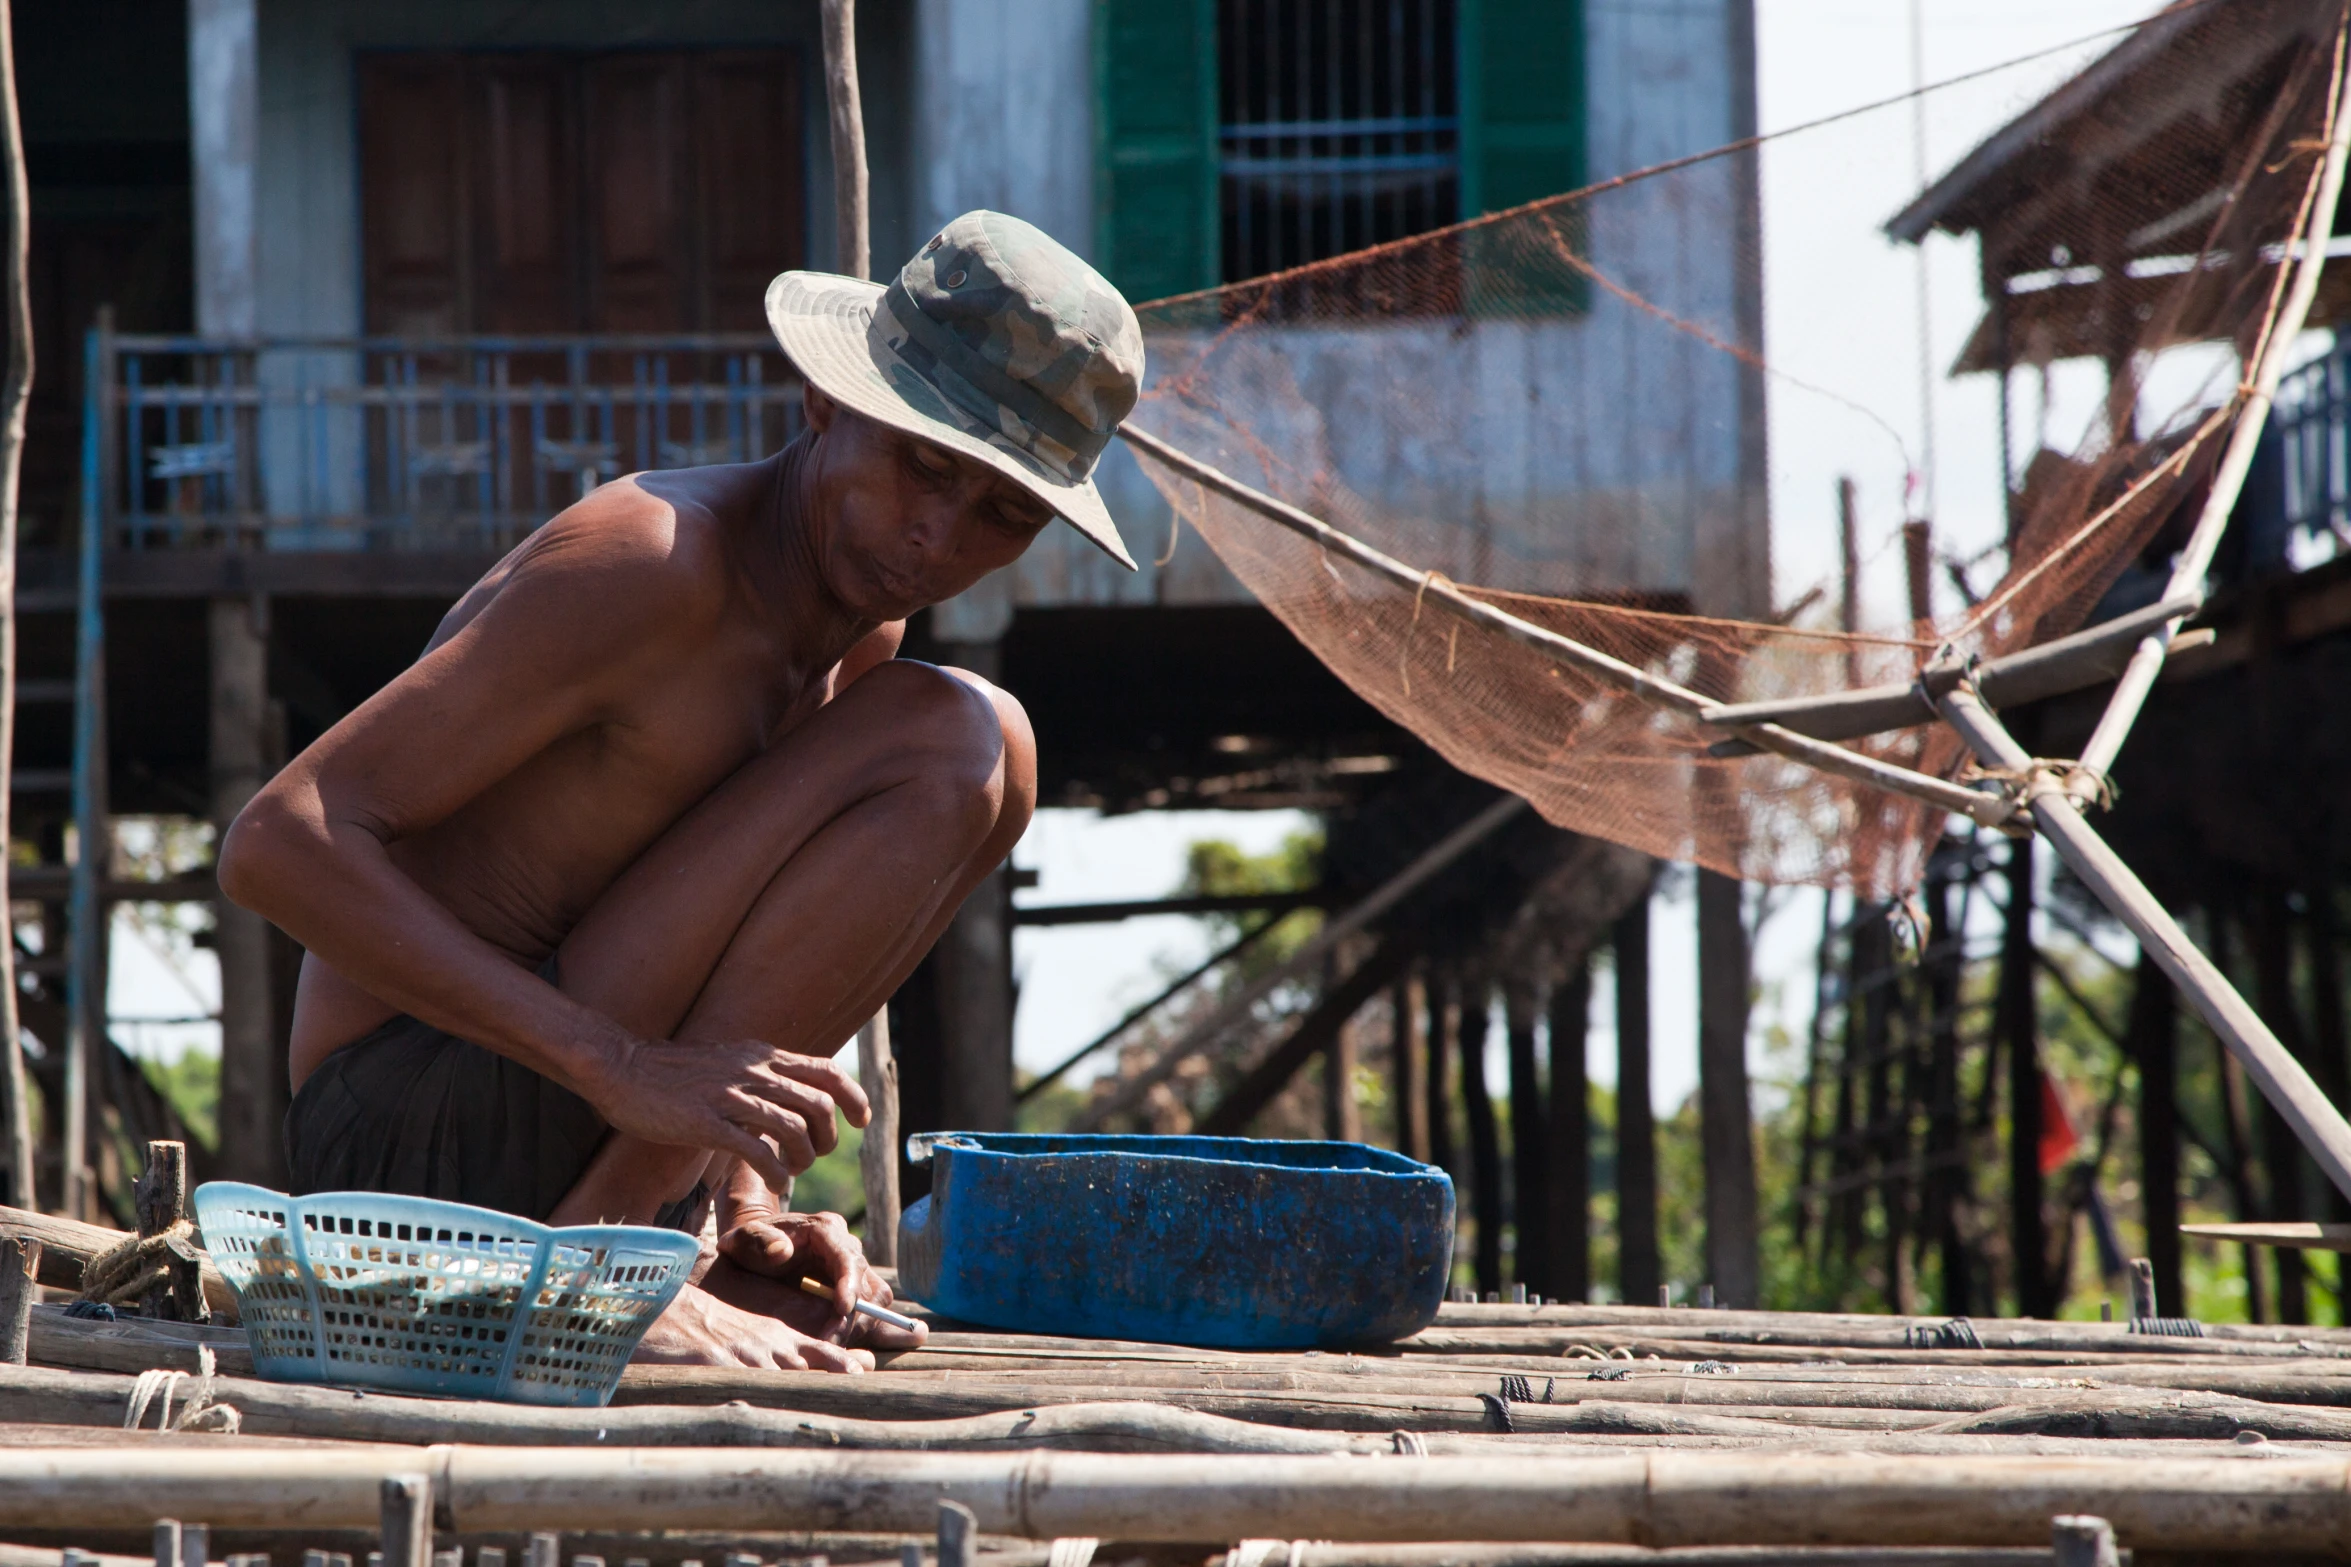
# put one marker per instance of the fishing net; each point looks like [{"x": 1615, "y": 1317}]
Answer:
[{"x": 1566, "y": 413}]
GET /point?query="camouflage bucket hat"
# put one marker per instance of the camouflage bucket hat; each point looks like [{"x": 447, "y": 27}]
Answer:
[{"x": 995, "y": 342}]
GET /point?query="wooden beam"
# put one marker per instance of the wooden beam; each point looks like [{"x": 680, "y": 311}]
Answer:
[
  {"x": 254, "y": 1091},
  {"x": 2153, "y": 1035},
  {"x": 1568, "y": 1203},
  {"x": 1144, "y": 908},
  {"x": 1725, "y": 1109},
  {"x": 1638, "y": 1270},
  {"x": 15, "y": 397},
  {"x": 1313, "y": 1035},
  {"x": 1530, "y": 1144},
  {"x": 1485, "y": 1137}
]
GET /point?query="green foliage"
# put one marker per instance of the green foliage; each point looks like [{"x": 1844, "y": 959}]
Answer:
[
  {"x": 833, "y": 1184},
  {"x": 1218, "y": 868},
  {"x": 191, "y": 1083}
]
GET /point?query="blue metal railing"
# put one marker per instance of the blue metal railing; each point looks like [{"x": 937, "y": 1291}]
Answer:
[{"x": 376, "y": 443}]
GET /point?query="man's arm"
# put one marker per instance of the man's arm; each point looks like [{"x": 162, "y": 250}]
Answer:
[{"x": 602, "y": 600}]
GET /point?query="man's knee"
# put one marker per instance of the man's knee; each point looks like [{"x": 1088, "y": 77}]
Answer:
[{"x": 967, "y": 738}]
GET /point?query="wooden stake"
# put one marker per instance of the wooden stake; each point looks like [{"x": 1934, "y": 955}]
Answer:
[
  {"x": 877, "y": 1155},
  {"x": 2080, "y": 1541},
  {"x": 15, "y": 393},
  {"x": 406, "y": 1520},
  {"x": 20, "y": 1269},
  {"x": 957, "y": 1526},
  {"x": 853, "y": 256}
]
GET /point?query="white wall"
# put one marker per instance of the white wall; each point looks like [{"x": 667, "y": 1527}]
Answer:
[{"x": 1565, "y": 455}]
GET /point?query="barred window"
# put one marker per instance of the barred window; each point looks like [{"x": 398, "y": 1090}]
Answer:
[{"x": 1339, "y": 127}]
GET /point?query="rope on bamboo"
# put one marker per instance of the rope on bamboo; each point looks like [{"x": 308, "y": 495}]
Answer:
[
  {"x": 1958, "y": 1333},
  {"x": 122, "y": 1274},
  {"x": 200, "y": 1413},
  {"x": 1071, "y": 1551},
  {"x": 1408, "y": 1444},
  {"x": 2167, "y": 1327}
]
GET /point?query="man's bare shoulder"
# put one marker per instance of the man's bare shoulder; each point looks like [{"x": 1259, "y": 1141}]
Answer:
[{"x": 624, "y": 559}]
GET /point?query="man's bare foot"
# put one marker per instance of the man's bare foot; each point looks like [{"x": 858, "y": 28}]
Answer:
[{"x": 699, "y": 1329}]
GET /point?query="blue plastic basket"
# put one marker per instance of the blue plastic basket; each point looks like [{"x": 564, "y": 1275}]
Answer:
[
  {"x": 1220, "y": 1241},
  {"x": 412, "y": 1295}
]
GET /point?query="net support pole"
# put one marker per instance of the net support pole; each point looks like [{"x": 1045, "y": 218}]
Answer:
[
  {"x": 2281, "y": 1078},
  {"x": 1983, "y": 809},
  {"x": 847, "y": 114},
  {"x": 2187, "y": 576}
]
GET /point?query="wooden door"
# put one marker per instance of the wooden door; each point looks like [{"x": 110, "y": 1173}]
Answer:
[{"x": 651, "y": 191}]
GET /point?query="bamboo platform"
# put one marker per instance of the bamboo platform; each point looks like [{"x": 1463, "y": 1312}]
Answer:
[{"x": 1502, "y": 1436}]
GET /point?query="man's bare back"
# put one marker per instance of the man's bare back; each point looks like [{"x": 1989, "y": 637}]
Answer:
[{"x": 594, "y": 891}]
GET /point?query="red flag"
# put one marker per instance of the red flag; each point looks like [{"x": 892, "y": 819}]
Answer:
[{"x": 2058, "y": 1138}]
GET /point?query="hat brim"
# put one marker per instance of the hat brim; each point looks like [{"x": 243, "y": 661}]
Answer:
[{"x": 824, "y": 323}]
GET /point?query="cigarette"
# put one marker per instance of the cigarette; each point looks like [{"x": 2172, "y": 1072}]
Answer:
[{"x": 862, "y": 1307}]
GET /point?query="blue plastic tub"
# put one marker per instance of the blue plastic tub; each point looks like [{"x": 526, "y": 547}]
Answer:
[
  {"x": 1223, "y": 1242},
  {"x": 413, "y": 1295}
]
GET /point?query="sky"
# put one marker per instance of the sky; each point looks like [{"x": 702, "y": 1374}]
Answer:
[{"x": 1841, "y": 315}]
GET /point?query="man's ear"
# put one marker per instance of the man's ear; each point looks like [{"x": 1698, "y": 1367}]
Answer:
[{"x": 817, "y": 407}]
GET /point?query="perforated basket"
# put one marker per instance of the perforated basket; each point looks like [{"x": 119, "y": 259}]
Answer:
[{"x": 417, "y": 1296}]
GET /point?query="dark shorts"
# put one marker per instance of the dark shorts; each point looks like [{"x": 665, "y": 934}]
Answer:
[{"x": 408, "y": 1108}]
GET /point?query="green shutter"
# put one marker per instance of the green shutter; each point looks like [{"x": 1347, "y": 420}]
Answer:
[
  {"x": 1155, "y": 195},
  {"x": 1522, "y": 138}
]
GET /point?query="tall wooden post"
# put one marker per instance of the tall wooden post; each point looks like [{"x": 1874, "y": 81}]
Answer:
[
  {"x": 1485, "y": 1139},
  {"x": 1342, "y": 1114},
  {"x": 1569, "y": 1202},
  {"x": 1410, "y": 1061},
  {"x": 1638, "y": 1271},
  {"x": 2020, "y": 1037},
  {"x": 1725, "y": 1111},
  {"x": 253, "y": 1082},
  {"x": 877, "y": 1155},
  {"x": 1946, "y": 1180},
  {"x": 1530, "y": 1146},
  {"x": 846, "y": 109},
  {"x": 1443, "y": 1033},
  {"x": 15, "y": 394},
  {"x": 2153, "y": 1033}
]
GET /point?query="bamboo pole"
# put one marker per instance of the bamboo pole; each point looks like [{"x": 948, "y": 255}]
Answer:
[
  {"x": 2193, "y": 561},
  {"x": 1658, "y": 691},
  {"x": 877, "y": 1068},
  {"x": 2047, "y": 669},
  {"x": 2280, "y": 1503},
  {"x": 843, "y": 100},
  {"x": 2283, "y": 1080},
  {"x": 15, "y": 393},
  {"x": 67, "y": 1244}
]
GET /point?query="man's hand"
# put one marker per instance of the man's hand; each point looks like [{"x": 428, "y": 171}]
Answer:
[
  {"x": 768, "y": 1107},
  {"x": 699, "y": 1329},
  {"x": 763, "y": 1256}
]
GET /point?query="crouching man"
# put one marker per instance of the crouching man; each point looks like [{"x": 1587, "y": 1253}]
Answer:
[{"x": 594, "y": 890}]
